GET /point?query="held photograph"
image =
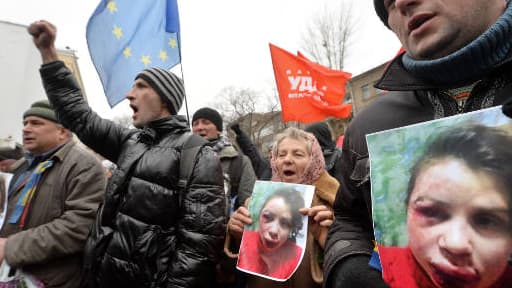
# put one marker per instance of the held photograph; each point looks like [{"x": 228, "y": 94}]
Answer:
[
  {"x": 273, "y": 245},
  {"x": 442, "y": 201}
]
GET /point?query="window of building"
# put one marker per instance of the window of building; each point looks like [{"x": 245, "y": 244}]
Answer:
[
  {"x": 348, "y": 98},
  {"x": 365, "y": 89}
]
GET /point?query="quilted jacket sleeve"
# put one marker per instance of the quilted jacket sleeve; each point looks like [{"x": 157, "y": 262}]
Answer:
[{"x": 102, "y": 135}]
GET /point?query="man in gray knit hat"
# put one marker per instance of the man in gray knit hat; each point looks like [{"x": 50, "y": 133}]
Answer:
[
  {"x": 62, "y": 184},
  {"x": 156, "y": 227},
  {"x": 457, "y": 59}
]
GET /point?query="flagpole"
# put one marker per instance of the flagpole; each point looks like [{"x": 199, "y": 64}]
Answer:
[{"x": 184, "y": 87}]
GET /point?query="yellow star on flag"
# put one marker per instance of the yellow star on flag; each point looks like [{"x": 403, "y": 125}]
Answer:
[
  {"x": 127, "y": 52},
  {"x": 173, "y": 43},
  {"x": 118, "y": 32},
  {"x": 146, "y": 60},
  {"x": 111, "y": 5},
  {"x": 163, "y": 55}
]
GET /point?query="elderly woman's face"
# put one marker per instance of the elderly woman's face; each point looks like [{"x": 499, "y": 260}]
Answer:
[
  {"x": 275, "y": 224},
  {"x": 459, "y": 225},
  {"x": 292, "y": 159}
]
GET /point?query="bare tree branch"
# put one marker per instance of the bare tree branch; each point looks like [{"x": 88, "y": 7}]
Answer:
[{"x": 327, "y": 38}]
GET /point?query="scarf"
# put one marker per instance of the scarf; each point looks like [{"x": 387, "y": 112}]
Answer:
[
  {"x": 218, "y": 144},
  {"x": 471, "y": 62},
  {"x": 22, "y": 207},
  {"x": 314, "y": 168}
]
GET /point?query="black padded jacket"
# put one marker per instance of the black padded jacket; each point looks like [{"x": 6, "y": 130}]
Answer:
[{"x": 149, "y": 232}]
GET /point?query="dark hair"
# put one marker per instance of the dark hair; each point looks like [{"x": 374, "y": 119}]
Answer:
[
  {"x": 481, "y": 148},
  {"x": 295, "y": 201}
]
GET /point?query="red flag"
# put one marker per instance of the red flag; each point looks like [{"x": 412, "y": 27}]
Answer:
[{"x": 308, "y": 91}]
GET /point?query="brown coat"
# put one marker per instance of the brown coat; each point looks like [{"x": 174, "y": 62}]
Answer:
[
  {"x": 309, "y": 274},
  {"x": 61, "y": 213}
]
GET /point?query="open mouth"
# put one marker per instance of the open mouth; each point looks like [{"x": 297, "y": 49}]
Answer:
[
  {"x": 288, "y": 173},
  {"x": 270, "y": 244},
  {"x": 134, "y": 108},
  {"x": 454, "y": 276},
  {"x": 418, "y": 20},
  {"x": 28, "y": 139}
]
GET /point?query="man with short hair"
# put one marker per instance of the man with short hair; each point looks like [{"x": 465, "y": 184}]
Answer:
[
  {"x": 207, "y": 123},
  {"x": 52, "y": 200},
  {"x": 156, "y": 228},
  {"x": 239, "y": 178},
  {"x": 457, "y": 59}
]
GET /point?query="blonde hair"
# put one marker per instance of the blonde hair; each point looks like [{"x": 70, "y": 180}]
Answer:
[{"x": 293, "y": 133}]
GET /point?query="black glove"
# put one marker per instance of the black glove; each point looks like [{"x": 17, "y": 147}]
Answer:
[{"x": 236, "y": 128}]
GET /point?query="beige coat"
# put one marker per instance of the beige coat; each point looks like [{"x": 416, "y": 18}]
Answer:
[
  {"x": 61, "y": 213},
  {"x": 309, "y": 274}
]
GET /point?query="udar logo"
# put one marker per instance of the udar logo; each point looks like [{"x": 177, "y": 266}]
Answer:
[{"x": 304, "y": 85}]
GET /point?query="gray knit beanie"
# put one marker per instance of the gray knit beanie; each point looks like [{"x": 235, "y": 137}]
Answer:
[
  {"x": 43, "y": 109},
  {"x": 381, "y": 11},
  {"x": 167, "y": 85}
]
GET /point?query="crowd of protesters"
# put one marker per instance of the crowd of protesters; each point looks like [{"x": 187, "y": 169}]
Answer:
[{"x": 169, "y": 205}]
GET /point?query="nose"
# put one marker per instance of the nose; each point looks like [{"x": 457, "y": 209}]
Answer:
[
  {"x": 26, "y": 128},
  {"x": 197, "y": 127},
  {"x": 130, "y": 95},
  {"x": 273, "y": 229},
  {"x": 288, "y": 158},
  {"x": 456, "y": 242}
]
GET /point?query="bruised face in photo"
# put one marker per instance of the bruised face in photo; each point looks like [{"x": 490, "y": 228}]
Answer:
[
  {"x": 459, "y": 224},
  {"x": 275, "y": 224}
]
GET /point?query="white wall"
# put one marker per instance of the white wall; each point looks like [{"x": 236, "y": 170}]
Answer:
[{"x": 19, "y": 77}]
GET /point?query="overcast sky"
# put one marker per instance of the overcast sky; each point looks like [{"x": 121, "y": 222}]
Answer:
[{"x": 224, "y": 42}]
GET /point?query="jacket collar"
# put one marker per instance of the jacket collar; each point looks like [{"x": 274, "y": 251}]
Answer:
[
  {"x": 59, "y": 153},
  {"x": 326, "y": 187},
  {"x": 396, "y": 78},
  {"x": 159, "y": 128}
]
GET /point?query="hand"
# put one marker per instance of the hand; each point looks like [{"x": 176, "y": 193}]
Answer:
[
  {"x": 44, "y": 34},
  {"x": 236, "y": 128},
  {"x": 5, "y": 165},
  {"x": 319, "y": 216},
  {"x": 237, "y": 221},
  {"x": 2, "y": 249}
]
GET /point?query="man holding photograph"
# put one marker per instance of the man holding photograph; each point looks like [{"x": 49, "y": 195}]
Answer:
[{"x": 457, "y": 59}]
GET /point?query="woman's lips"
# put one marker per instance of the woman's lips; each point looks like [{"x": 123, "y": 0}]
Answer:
[
  {"x": 270, "y": 243},
  {"x": 451, "y": 276},
  {"x": 288, "y": 173}
]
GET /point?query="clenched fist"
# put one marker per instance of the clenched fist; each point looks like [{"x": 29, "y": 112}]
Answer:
[{"x": 44, "y": 34}]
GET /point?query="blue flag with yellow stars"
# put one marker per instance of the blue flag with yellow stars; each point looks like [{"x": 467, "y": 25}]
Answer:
[{"x": 126, "y": 36}]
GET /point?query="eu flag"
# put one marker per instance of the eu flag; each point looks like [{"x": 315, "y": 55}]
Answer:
[{"x": 126, "y": 36}]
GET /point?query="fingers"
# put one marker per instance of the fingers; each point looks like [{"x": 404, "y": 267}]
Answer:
[
  {"x": 42, "y": 26},
  {"x": 238, "y": 220},
  {"x": 320, "y": 214}
]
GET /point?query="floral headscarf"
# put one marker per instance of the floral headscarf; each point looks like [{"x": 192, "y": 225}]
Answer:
[{"x": 314, "y": 168}]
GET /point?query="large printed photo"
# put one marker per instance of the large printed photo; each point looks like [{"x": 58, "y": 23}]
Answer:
[
  {"x": 442, "y": 201},
  {"x": 273, "y": 246}
]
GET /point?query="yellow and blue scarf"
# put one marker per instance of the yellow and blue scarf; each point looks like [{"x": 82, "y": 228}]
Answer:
[{"x": 21, "y": 210}]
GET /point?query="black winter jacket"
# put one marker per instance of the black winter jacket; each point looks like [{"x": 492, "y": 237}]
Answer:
[
  {"x": 352, "y": 230},
  {"x": 148, "y": 233},
  {"x": 260, "y": 164}
]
